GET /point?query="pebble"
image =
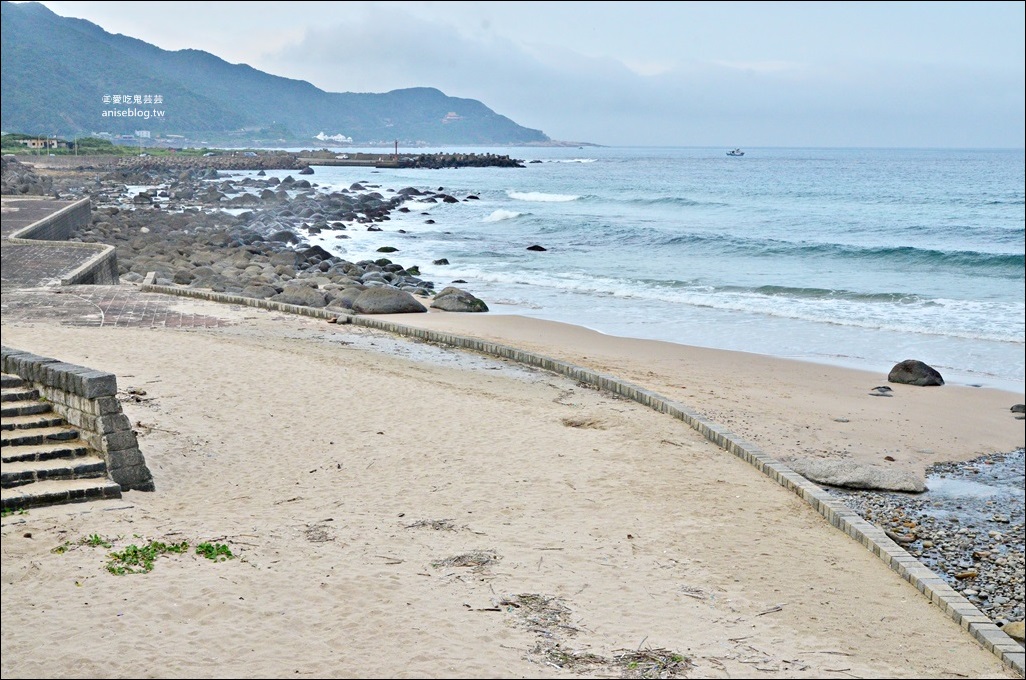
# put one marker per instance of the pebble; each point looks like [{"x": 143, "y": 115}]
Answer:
[{"x": 973, "y": 540}]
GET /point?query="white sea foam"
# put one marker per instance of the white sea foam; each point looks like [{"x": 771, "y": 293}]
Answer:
[
  {"x": 541, "y": 197},
  {"x": 500, "y": 215}
]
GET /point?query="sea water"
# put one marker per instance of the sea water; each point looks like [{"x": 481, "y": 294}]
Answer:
[{"x": 851, "y": 257}]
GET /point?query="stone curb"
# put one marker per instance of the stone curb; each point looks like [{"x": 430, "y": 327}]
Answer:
[{"x": 933, "y": 587}]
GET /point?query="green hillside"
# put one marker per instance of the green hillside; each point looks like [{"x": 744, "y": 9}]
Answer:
[{"x": 60, "y": 76}]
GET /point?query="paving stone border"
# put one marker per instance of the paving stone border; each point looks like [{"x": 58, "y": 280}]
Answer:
[
  {"x": 932, "y": 586},
  {"x": 87, "y": 399}
]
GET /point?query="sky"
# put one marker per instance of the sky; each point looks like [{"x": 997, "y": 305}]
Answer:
[{"x": 735, "y": 74}]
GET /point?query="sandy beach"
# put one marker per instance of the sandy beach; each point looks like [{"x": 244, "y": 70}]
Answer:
[{"x": 397, "y": 509}]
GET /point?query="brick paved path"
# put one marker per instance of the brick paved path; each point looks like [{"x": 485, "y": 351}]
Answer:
[
  {"x": 24, "y": 265},
  {"x": 29, "y": 265},
  {"x": 123, "y": 306},
  {"x": 31, "y": 274}
]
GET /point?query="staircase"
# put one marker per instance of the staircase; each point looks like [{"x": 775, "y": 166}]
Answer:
[{"x": 44, "y": 460}]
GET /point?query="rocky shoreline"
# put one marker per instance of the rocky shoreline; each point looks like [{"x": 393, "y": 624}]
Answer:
[{"x": 195, "y": 227}]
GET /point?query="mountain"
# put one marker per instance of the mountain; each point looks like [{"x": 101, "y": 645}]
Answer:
[{"x": 66, "y": 76}]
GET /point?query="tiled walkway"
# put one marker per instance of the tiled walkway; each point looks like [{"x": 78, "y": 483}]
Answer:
[{"x": 31, "y": 276}]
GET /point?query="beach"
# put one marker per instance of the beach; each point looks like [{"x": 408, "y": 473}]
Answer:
[{"x": 398, "y": 509}]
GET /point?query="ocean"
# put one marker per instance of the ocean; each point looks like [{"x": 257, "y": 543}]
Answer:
[{"x": 852, "y": 257}]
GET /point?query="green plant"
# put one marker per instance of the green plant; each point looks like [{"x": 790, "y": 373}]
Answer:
[
  {"x": 95, "y": 541},
  {"x": 61, "y": 549},
  {"x": 136, "y": 560},
  {"x": 7, "y": 512},
  {"x": 218, "y": 552}
]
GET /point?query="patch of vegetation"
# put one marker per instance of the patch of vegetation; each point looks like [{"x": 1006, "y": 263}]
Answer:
[
  {"x": 96, "y": 541},
  {"x": 218, "y": 552},
  {"x": 7, "y": 512},
  {"x": 140, "y": 560}
]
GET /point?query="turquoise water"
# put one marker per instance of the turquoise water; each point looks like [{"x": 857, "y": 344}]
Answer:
[{"x": 854, "y": 257}]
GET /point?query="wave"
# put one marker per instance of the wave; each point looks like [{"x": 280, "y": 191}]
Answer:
[
  {"x": 541, "y": 197},
  {"x": 500, "y": 215},
  {"x": 668, "y": 200},
  {"x": 896, "y": 312},
  {"x": 1013, "y": 263},
  {"x": 831, "y": 294},
  {"x": 570, "y": 160}
]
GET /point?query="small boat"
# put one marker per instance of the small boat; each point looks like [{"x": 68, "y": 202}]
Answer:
[{"x": 736, "y": 152}]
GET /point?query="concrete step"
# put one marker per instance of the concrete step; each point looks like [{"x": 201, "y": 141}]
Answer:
[
  {"x": 42, "y": 452},
  {"x": 23, "y": 407},
  {"x": 18, "y": 394},
  {"x": 31, "y": 421},
  {"x": 41, "y": 435},
  {"x": 57, "y": 492},
  {"x": 27, "y": 472},
  {"x": 9, "y": 380}
]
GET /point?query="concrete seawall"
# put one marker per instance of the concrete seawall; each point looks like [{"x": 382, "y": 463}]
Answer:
[{"x": 93, "y": 263}]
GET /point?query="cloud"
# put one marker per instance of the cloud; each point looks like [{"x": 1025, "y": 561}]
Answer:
[{"x": 658, "y": 101}]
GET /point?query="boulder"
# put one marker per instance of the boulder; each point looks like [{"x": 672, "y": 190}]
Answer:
[
  {"x": 452, "y": 299},
  {"x": 386, "y": 300},
  {"x": 288, "y": 258},
  {"x": 915, "y": 372},
  {"x": 344, "y": 299},
  {"x": 303, "y": 295},
  {"x": 259, "y": 291},
  {"x": 850, "y": 475},
  {"x": 1015, "y": 630}
]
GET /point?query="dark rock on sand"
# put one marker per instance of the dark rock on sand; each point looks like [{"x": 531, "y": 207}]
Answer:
[
  {"x": 299, "y": 293},
  {"x": 451, "y": 299},
  {"x": 346, "y": 297},
  {"x": 384, "y": 300},
  {"x": 915, "y": 372}
]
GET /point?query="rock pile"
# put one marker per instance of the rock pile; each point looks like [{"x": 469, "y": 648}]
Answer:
[
  {"x": 199, "y": 229},
  {"x": 19, "y": 179}
]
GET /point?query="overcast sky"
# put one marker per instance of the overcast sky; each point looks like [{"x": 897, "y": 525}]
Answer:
[{"x": 749, "y": 74}]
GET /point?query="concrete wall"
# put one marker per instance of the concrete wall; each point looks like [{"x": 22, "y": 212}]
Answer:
[
  {"x": 87, "y": 399},
  {"x": 60, "y": 226}
]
